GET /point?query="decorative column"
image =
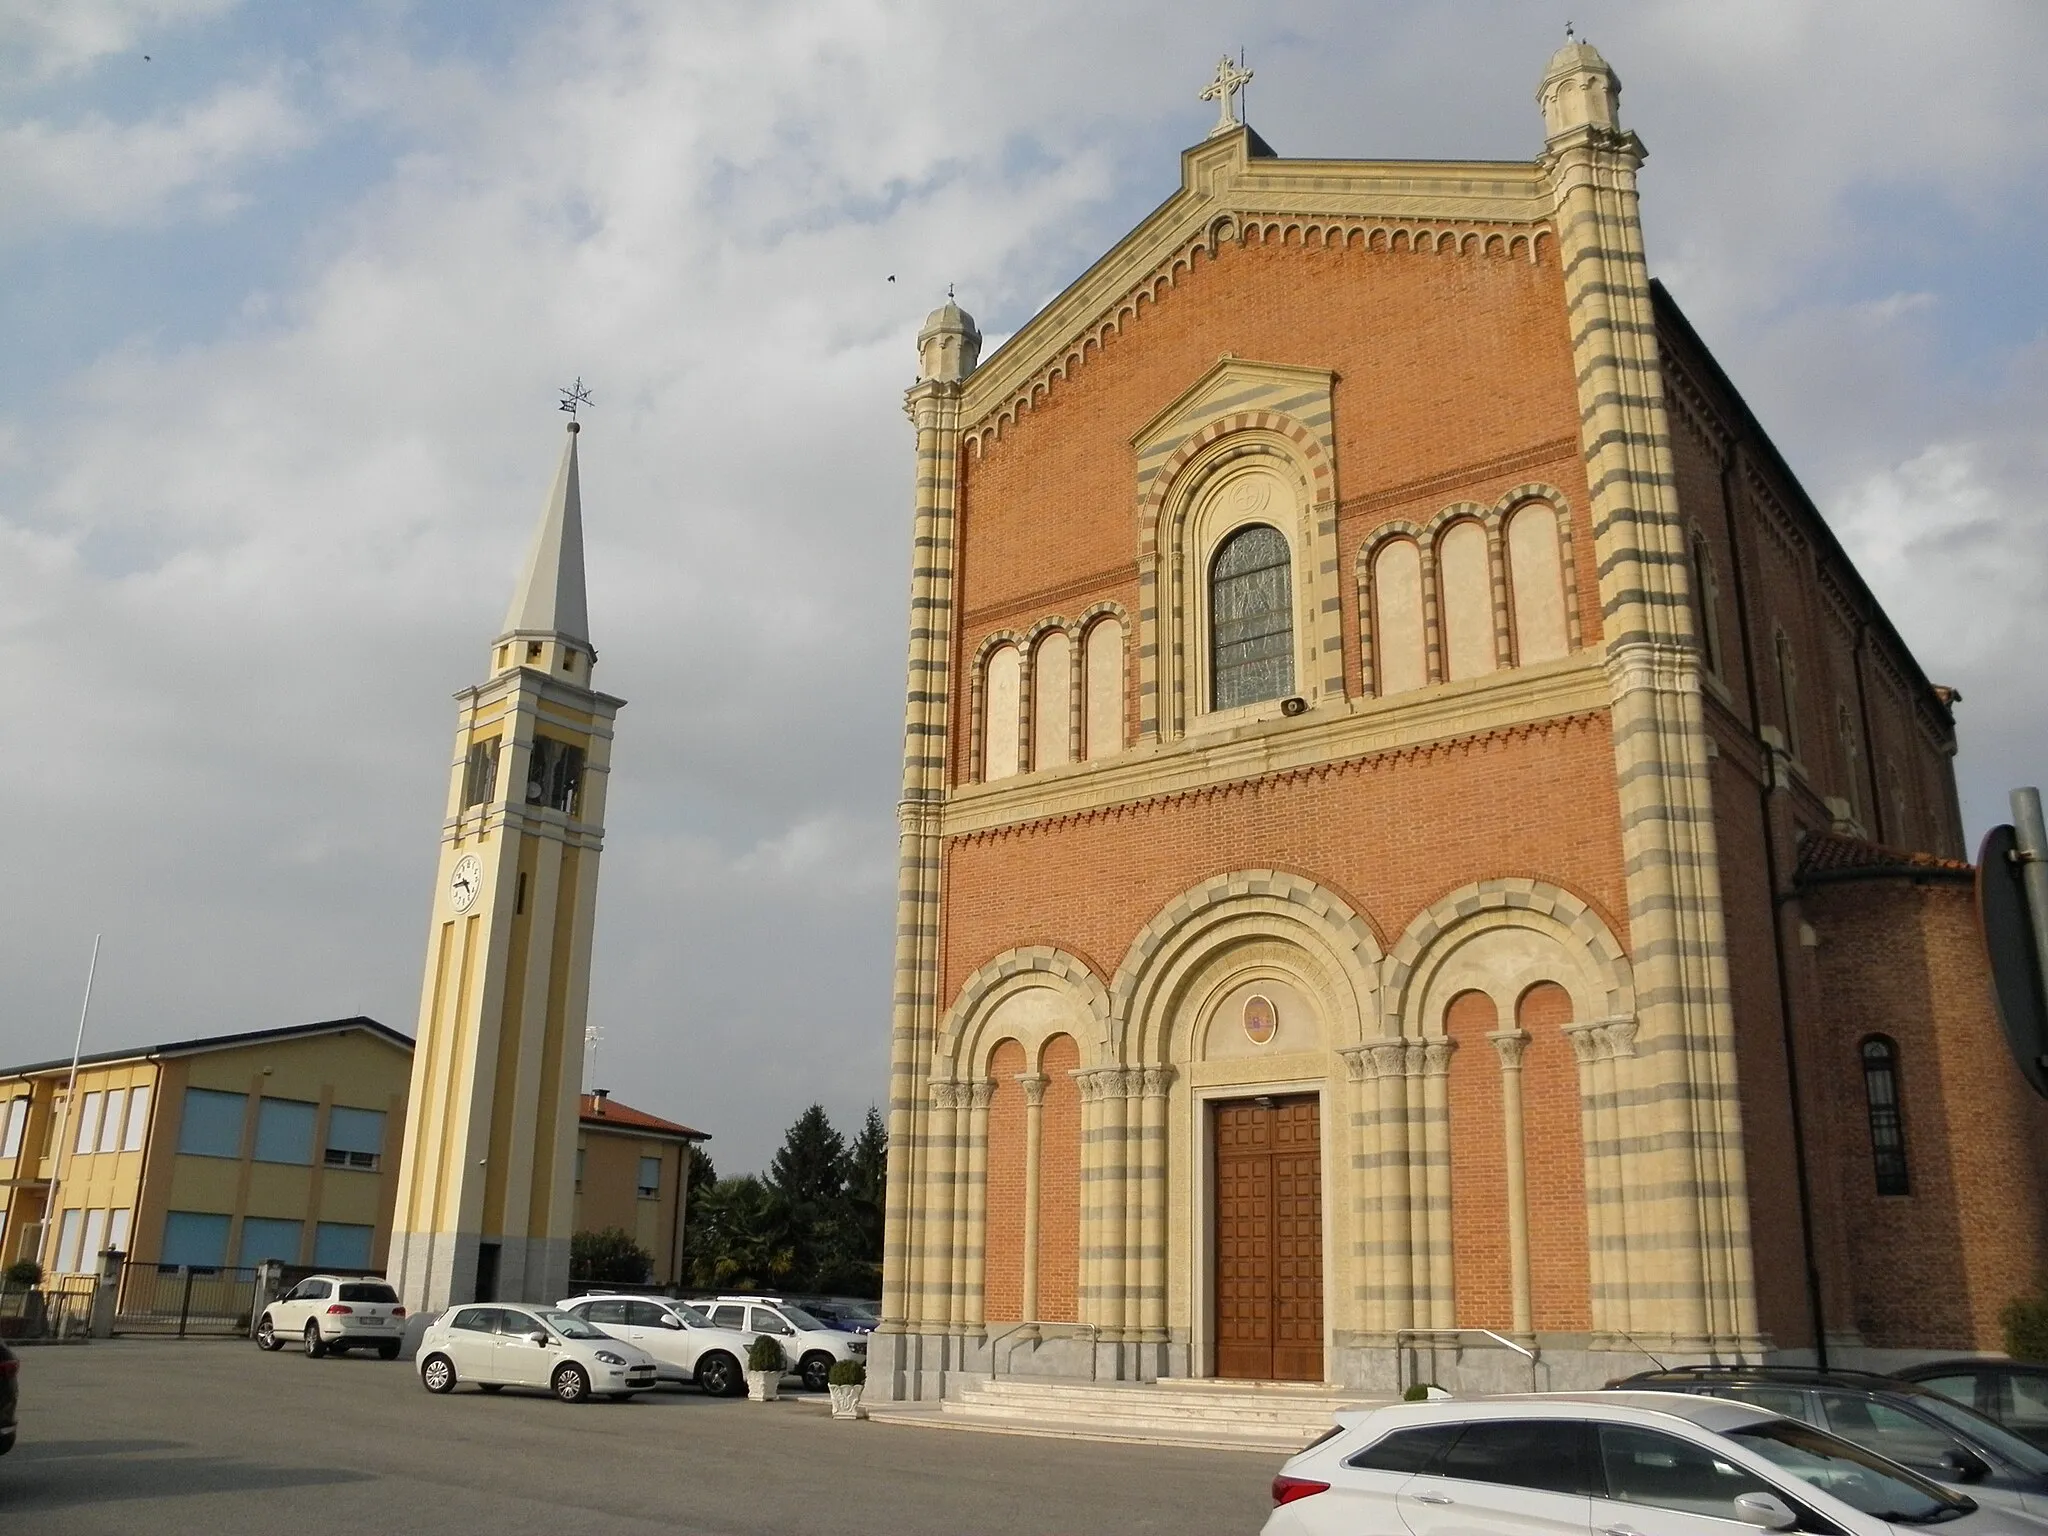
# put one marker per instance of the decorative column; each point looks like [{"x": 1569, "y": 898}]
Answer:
[
  {"x": 1112, "y": 1167},
  {"x": 948, "y": 348},
  {"x": 1435, "y": 1094},
  {"x": 1152, "y": 1203},
  {"x": 972, "y": 1244},
  {"x": 1696, "y": 1247},
  {"x": 1604, "y": 1130},
  {"x": 1033, "y": 1084},
  {"x": 1380, "y": 1070},
  {"x": 935, "y": 1310},
  {"x": 1511, "y": 1043}
]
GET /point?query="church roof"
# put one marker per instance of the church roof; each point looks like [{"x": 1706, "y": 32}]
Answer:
[
  {"x": 1830, "y": 856},
  {"x": 549, "y": 599}
]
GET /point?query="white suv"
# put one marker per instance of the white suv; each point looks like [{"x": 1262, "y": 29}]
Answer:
[
  {"x": 1618, "y": 1463},
  {"x": 334, "y": 1313},
  {"x": 685, "y": 1345},
  {"x": 812, "y": 1348}
]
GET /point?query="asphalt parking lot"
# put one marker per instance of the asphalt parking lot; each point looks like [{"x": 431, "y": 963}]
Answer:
[{"x": 215, "y": 1436}]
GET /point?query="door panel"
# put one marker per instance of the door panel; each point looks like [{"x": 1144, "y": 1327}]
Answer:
[{"x": 1268, "y": 1239}]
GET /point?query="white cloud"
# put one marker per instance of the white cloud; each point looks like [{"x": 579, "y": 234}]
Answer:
[{"x": 51, "y": 38}]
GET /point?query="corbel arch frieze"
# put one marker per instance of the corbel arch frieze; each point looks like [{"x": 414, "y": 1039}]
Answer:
[
  {"x": 962, "y": 1033},
  {"x": 1605, "y": 989},
  {"x": 1263, "y": 903}
]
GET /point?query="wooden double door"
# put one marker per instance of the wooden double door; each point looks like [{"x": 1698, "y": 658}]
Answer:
[{"x": 1268, "y": 1226}]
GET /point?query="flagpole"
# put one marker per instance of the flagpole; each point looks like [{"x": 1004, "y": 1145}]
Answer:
[{"x": 50, "y": 1212}]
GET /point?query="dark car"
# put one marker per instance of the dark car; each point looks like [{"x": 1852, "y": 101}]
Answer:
[
  {"x": 841, "y": 1313},
  {"x": 10, "y": 1393},
  {"x": 2010, "y": 1391},
  {"x": 1901, "y": 1420}
]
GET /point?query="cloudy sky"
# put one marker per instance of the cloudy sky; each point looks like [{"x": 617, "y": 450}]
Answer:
[{"x": 286, "y": 292}]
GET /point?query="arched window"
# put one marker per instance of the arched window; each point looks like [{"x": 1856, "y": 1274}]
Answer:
[
  {"x": 1251, "y": 621},
  {"x": 1400, "y": 655},
  {"x": 1102, "y": 687},
  {"x": 1788, "y": 692},
  {"x": 1706, "y": 595},
  {"x": 1002, "y": 685},
  {"x": 1536, "y": 584},
  {"x": 1887, "y": 1123},
  {"x": 1051, "y": 686},
  {"x": 1462, "y": 572}
]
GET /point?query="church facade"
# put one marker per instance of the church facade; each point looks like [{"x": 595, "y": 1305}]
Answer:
[{"x": 1414, "y": 835}]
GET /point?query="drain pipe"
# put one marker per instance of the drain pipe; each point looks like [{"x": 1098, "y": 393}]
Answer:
[{"x": 1772, "y": 768}]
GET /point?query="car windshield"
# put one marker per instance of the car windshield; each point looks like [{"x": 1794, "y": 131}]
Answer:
[
  {"x": 1861, "y": 1479},
  {"x": 689, "y": 1316},
  {"x": 799, "y": 1318},
  {"x": 1995, "y": 1438},
  {"x": 570, "y": 1326},
  {"x": 377, "y": 1293}
]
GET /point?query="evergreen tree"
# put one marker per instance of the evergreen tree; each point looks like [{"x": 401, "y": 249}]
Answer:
[
  {"x": 867, "y": 1182},
  {"x": 810, "y": 1170}
]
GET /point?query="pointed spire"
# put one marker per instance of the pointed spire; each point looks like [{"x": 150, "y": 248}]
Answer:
[{"x": 549, "y": 599}]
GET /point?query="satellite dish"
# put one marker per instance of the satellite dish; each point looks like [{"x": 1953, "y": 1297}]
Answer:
[{"x": 2009, "y": 944}]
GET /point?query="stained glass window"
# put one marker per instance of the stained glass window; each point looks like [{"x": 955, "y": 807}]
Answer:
[
  {"x": 1251, "y": 624},
  {"x": 1887, "y": 1125}
]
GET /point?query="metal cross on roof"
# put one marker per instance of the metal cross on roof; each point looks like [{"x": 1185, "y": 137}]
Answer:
[
  {"x": 1230, "y": 79},
  {"x": 574, "y": 396}
]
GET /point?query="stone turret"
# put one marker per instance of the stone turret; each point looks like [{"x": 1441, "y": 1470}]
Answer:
[
  {"x": 1580, "y": 90},
  {"x": 949, "y": 346}
]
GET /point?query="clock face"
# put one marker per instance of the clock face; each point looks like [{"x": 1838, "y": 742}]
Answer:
[{"x": 467, "y": 883}]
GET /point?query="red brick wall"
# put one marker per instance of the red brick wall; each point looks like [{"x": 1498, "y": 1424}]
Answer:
[
  {"x": 1480, "y": 1276},
  {"x": 1556, "y": 1173},
  {"x": 1003, "y": 1242},
  {"x": 1059, "y": 1184},
  {"x": 1929, "y": 1269}
]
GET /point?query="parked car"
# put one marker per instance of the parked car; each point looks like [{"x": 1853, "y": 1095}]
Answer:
[
  {"x": 10, "y": 1397},
  {"x": 504, "y": 1346},
  {"x": 2010, "y": 1391},
  {"x": 1645, "y": 1464},
  {"x": 684, "y": 1343},
  {"x": 332, "y": 1314},
  {"x": 1900, "y": 1420},
  {"x": 811, "y": 1346},
  {"x": 845, "y": 1313}
]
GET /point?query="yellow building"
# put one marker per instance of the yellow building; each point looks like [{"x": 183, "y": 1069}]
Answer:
[
  {"x": 633, "y": 1173},
  {"x": 274, "y": 1144}
]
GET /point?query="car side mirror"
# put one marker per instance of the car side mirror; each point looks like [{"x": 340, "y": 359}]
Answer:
[
  {"x": 1963, "y": 1466},
  {"x": 671, "y": 1321},
  {"x": 538, "y": 1336},
  {"x": 1766, "y": 1511}
]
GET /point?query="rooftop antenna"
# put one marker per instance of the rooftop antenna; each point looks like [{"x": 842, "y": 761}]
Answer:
[
  {"x": 591, "y": 1033},
  {"x": 1569, "y": 35}
]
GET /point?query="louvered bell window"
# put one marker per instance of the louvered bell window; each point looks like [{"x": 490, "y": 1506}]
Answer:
[{"x": 1251, "y": 624}]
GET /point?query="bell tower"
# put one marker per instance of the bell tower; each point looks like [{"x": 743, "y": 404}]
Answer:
[{"x": 487, "y": 1183}]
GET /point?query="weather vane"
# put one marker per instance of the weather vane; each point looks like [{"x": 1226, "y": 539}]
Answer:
[{"x": 574, "y": 396}]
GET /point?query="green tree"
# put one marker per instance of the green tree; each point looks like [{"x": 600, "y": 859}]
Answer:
[
  {"x": 609, "y": 1257},
  {"x": 739, "y": 1237},
  {"x": 811, "y": 1168}
]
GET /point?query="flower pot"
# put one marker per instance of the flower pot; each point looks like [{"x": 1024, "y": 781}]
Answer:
[
  {"x": 764, "y": 1386},
  {"x": 846, "y": 1401}
]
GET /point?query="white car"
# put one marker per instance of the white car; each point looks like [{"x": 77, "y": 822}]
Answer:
[
  {"x": 812, "y": 1347},
  {"x": 499, "y": 1346},
  {"x": 1606, "y": 1464},
  {"x": 685, "y": 1345},
  {"x": 331, "y": 1314}
]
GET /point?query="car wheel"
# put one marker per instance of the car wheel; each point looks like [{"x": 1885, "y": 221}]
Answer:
[
  {"x": 315, "y": 1345},
  {"x": 437, "y": 1373},
  {"x": 266, "y": 1335},
  {"x": 387, "y": 1351},
  {"x": 719, "y": 1375},
  {"x": 816, "y": 1371},
  {"x": 570, "y": 1384},
  {"x": 491, "y": 1386}
]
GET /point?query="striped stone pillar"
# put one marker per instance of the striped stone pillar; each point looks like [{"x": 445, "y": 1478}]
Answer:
[
  {"x": 1510, "y": 1045},
  {"x": 972, "y": 1243},
  {"x": 1693, "y": 1272},
  {"x": 1033, "y": 1084},
  {"x": 1151, "y": 1203},
  {"x": 941, "y": 1242},
  {"x": 1431, "y": 1066}
]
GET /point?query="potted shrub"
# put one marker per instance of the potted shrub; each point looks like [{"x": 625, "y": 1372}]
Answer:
[
  {"x": 765, "y": 1365},
  {"x": 846, "y": 1378},
  {"x": 23, "y": 1277}
]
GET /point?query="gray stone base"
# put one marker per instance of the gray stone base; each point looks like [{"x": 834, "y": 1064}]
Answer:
[
  {"x": 437, "y": 1270},
  {"x": 923, "y": 1367}
]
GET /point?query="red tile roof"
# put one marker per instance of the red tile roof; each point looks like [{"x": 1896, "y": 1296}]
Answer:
[
  {"x": 627, "y": 1118},
  {"x": 1827, "y": 856}
]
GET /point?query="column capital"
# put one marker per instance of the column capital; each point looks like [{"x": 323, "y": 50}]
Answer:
[
  {"x": 947, "y": 1093},
  {"x": 1157, "y": 1080},
  {"x": 1510, "y": 1043},
  {"x": 980, "y": 1092},
  {"x": 1436, "y": 1055},
  {"x": 1033, "y": 1084}
]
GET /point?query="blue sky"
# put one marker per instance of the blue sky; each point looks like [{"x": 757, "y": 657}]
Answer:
[{"x": 284, "y": 308}]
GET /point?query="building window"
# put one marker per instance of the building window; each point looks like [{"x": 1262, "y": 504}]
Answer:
[
  {"x": 17, "y": 1122},
  {"x": 1706, "y": 593},
  {"x": 1001, "y": 697},
  {"x": 198, "y": 1239},
  {"x": 1536, "y": 584},
  {"x": 267, "y": 1237},
  {"x": 355, "y": 1138},
  {"x": 579, "y": 1169},
  {"x": 212, "y": 1126},
  {"x": 284, "y": 1131},
  {"x": 68, "y": 1230},
  {"x": 1788, "y": 692},
  {"x": 341, "y": 1245},
  {"x": 138, "y": 1120},
  {"x": 117, "y": 1229},
  {"x": 650, "y": 1177},
  {"x": 1400, "y": 649},
  {"x": 1887, "y": 1124},
  {"x": 88, "y": 1122},
  {"x": 1102, "y": 668},
  {"x": 110, "y": 1120},
  {"x": 554, "y": 774},
  {"x": 1464, "y": 572},
  {"x": 1052, "y": 668},
  {"x": 1251, "y": 620},
  {"x": 480, "y": 784}
]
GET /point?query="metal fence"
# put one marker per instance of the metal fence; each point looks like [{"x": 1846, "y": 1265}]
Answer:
[
  {"x": 180, "y": 1300},
  {"x": 59, "y": 1308}
]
